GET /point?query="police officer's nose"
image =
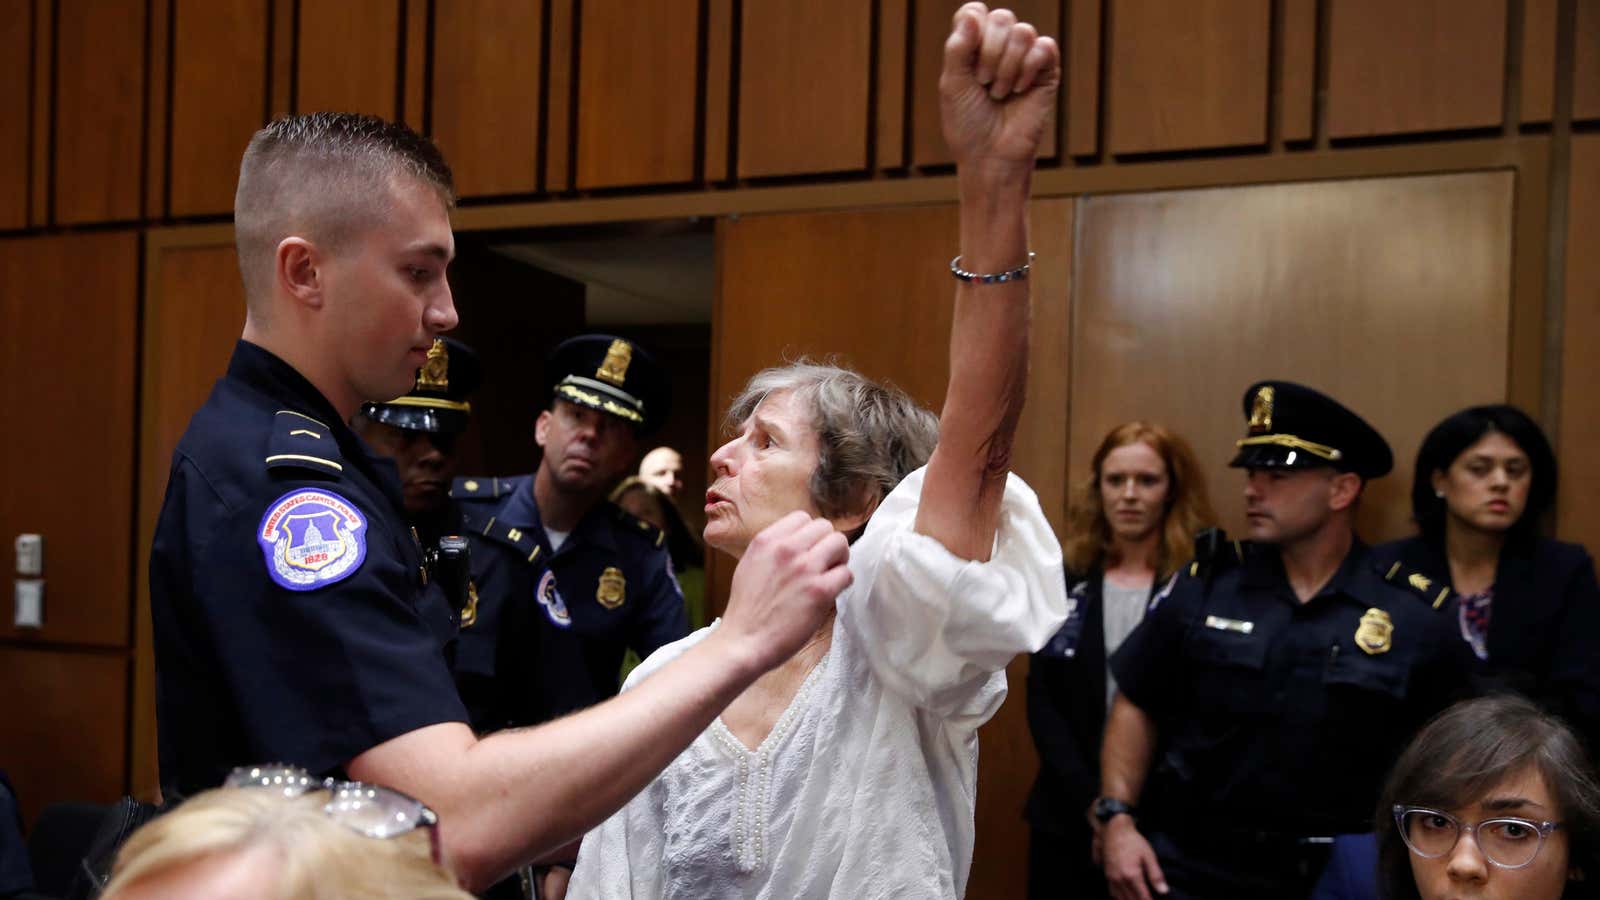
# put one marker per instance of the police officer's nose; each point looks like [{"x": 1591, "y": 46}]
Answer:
[{"x": 441, "y": 316}]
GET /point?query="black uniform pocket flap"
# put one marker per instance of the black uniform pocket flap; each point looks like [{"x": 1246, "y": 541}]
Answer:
[
  {"x": 1382, "y": 674},
  {"x": 1228, "y": 646}
]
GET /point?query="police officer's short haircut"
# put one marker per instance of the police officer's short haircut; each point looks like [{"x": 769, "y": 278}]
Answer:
[
  {"x": 324, "y": 176},
  {"x": 870, "y": 436}
]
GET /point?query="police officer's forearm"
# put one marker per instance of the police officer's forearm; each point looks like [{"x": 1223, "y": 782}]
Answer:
[
  {"x": 1125, "y": 754},
  {"x": 508, "y": 799}
]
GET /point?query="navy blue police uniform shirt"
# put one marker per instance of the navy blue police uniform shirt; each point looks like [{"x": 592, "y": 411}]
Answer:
[
  {"x": 518, "y": 667},
  {"x": 611, "y": 583},
  {"x": 292, "y": 615},
  {"x": 1279, "y": 716}
]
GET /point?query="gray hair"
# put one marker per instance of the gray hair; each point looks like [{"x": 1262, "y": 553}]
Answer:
[
  {"x": 326, "y": 176},
  {"x": 870, "y": 435}
]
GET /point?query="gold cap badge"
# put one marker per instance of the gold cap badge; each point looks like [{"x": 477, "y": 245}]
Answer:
[
  {"x": 615, "y": 368},
  {"x": 613, "y": 589},
  {"x": 1375, "y": 633},
  {"x": 1261, "y": 411},
  {"x": 435, "y": 373}
]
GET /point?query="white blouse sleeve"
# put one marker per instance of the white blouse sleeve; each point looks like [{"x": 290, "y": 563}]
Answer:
[{"x": 936, "y": 627}]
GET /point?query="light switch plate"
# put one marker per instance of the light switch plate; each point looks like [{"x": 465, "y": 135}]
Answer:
[
  {"x": 30, "y": 555},
  {"x": 29, "y": 603}
]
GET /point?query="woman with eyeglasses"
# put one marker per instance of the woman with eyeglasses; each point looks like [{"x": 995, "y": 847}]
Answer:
[
  {"x": 1529, "y": 605},
  {"x": 274, "y": 833},
  {"x": 1494, "y": 800}
]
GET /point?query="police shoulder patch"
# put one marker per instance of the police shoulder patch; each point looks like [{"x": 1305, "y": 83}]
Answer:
[
  {"x": 311, "y": 537},
  {"x": 549, "y": 597}
]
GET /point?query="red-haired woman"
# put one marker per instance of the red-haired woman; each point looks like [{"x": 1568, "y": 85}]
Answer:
[{"x": 1131, "y": 526}]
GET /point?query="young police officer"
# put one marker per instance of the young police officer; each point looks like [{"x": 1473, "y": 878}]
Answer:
[
  {"x": 1263, "y": 699},
  {"x": 294, "y": 618}
]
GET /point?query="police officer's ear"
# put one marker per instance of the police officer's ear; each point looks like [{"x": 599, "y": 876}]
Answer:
[
  {"x": 541, "y": 428},
  {"x": 297, "y": 268},
  {"x": 1344, "y": 489}
]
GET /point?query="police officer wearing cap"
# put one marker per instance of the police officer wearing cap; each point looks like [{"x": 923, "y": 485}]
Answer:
[
  {"x": 1266, "y": 694},
  {"x": 589, "y": 567},
  {"x": 524, "y": 679},
  {"x": 420, "y": 432}
]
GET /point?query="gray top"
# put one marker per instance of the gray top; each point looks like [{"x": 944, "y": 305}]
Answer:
[{"x": 1124, "y": 609}]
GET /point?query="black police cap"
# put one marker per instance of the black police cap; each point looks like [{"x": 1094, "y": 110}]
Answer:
[
  {"x": 437, "y": 403},
  {"x": 613, "y": 375},
  {"x": 1295, "y": 427}
]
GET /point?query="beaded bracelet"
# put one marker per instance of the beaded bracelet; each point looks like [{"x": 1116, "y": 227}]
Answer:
[{"x": 1017, "y": 274}]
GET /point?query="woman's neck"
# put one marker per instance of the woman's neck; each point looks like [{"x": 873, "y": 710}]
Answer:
[
  {"x": 1134, "y": 560},
  {"x": 1473, "y": 554}
]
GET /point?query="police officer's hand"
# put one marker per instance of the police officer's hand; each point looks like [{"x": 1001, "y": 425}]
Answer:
[
  {"x": 785, "y": 585},
  {"x": 1132, "y": 872},
  {"x": 998, "y": 88}
]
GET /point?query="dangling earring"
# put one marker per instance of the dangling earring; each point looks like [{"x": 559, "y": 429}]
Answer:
[{"x": 1438, "y": 493}]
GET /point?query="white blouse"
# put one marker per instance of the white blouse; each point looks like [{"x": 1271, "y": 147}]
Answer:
[{"x": 866, "y": 786}]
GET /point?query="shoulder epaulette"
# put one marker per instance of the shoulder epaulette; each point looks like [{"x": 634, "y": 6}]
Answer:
[
  {"x": 301, "y": 442},
  {"x": 515, "y": 537},
  {"x": 475, "y": 488},
  {"x": 631, "y": 522},
  {"x": 1214, "y": 553},
  {"x": 1431, "y": 592}
]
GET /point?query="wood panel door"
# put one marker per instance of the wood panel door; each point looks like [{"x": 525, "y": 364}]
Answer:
[
  {"x": 194, "y": 312},
  {"x": 67, "y": 742},
  {"x": 1392, "y": 295},
  {"x": 873, "y": 289},
  {"x": 67, "y": 374}
]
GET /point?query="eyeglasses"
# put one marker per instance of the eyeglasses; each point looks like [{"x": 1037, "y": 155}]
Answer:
[
  {"x": 368, "y": 809},
  {"x": 1507, "y": 842}
]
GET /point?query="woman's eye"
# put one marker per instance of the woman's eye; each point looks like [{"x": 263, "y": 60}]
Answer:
[
  {"x": 1437, "y": 822},
  {"x": 1515, "y": 831}
]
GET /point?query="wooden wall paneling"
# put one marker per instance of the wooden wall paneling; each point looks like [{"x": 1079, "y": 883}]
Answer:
[
  {"x": 349, "y": 57},
  {"x": 1373, "y": 290},
  {"x": 562, "y": 76},
  {"x": 40, "y": 161},
  {"x": 932, "y": 24},
  {"x": 638, "y": 70},
  {"x": 889, "y": 76},
  {"x": 1081, "y": 68},
  {"x": 1187, "y": 76},
  {"x": 414, "y": 68},
  {"x": 280, "y": 101},
  {"x": 158, "y": 122},
  {"x": 1297, "y": 75},
  {"x": 804, "y": 85},
  {"x": 99, "y": 113},
  {"x": 1538, "y": 79},
  {"x": 67, "y": 740},
  {"x": 16, "y": 86},
  {"x": 871, "y": 286},
  {"x": 219, "y": 96},
  {"x": 1578, "y": 517},
  {"x": 1424, "y": 65},
  {"x": 718, "y": 89},
  {"x": 1586, "y": 62},
  {"x": 194, "y": 312},
  {"x": 486, "y": 91},
  {"x": 67, "y": 365}
]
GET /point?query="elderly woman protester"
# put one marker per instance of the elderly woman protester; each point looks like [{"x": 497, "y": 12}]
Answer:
[
  {"x": 850, "y": 771},
  {"x": 1131, "y": 526},
  {"x": 1529, "y": 605},
  {"x": 1495, "y": 799}
]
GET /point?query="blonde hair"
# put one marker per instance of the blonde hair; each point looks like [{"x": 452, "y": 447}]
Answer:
[
  {"x": 1188, "y": 508},
  {"x": 315, "y": 856}
]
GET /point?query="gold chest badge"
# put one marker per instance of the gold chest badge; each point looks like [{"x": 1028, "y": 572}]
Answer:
[
  {"x": 1375, "y": 633},
  {"x": 613, "y": 588}
]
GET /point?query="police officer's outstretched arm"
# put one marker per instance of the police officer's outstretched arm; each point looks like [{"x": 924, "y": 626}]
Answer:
[
  {"x": 997, "y": 96},
  {"x": 514, "y": 795}
]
